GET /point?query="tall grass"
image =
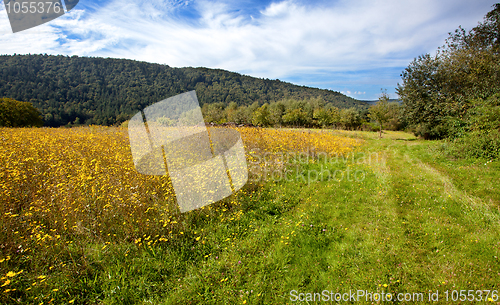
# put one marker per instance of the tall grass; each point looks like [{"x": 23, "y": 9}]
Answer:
[{"x": 71, "y": 199}]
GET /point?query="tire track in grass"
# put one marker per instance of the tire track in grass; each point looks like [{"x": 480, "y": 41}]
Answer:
[
  {"x": 397, "y": 231},
  {"x": 470, "y": 203},
  {"x": 447, "y": 230}
]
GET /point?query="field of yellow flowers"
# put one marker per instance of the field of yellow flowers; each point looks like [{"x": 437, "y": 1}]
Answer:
[
  {"x": 80, "y": 225},
  {"x": 62, "y": 190}
]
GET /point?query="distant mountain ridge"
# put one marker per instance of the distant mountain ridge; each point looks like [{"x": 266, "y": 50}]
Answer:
[
  {"x": 391, "y": 100},
  {"x": 108, "y": 91}
]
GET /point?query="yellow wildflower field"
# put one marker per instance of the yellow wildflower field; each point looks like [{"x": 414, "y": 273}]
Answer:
[
  {"x": 83, "y": 179},
  {"x": 64, "y": 186}
]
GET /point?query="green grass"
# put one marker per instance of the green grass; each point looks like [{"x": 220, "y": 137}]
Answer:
[{"x": 416, "y": 222}]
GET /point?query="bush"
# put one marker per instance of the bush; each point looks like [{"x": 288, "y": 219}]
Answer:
[
  {"x": 456, "y": 128},
  {"x": 429, "y": 132},
  {"x": 478, "y": 144},
  {"x": 18, "y": 114},
  {"x": 368, "y": 126}
]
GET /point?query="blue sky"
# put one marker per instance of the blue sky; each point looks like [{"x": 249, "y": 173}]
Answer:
[{"x": 355, "y": 47}]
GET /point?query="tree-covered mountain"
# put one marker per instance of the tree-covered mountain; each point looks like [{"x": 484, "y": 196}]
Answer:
[{"x": 108, "y": 91}]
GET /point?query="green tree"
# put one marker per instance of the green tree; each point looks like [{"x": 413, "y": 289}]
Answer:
[
  {"x": 380, "y": 111},
  {"x": 334, "y": 116},
  {"x": 322, "y": 117},
  {"x": 394, "y": 121},
  {"x": 349, "y": 118},
  {"x": 297, "y": 117},
  {"x": 438, "y": 89},
  {"x": 242, "y": 115},
  {"x": 485, "y": 115},
  {"x": 420, "y": 92},
  {"x": 231, "y": 111},
  {"x": 214, "y": 113},
  {"x": 260, "y": 116},
  {"x": 14, "y": 113},
  {"x": 276, "y": 112}
]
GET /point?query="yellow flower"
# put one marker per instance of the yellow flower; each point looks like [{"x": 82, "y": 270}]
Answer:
[
  {"x": 11, "y": 274},
  {"x": 7, "y": 282}
]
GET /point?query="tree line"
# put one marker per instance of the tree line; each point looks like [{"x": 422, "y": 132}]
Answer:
[
  {"x": 105, "y": 91},
  {"x": 313, "y": 112},
  {"x": 455, "y": 94}
]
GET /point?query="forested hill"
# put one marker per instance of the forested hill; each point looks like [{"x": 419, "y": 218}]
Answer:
[{"x": 108, "y": 91}]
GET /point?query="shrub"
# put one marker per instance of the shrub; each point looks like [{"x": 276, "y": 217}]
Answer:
[
  {"x": 368, "y": 126},
  {"x": 477, "y": 145},
  {"x": 18, "y": 114}
]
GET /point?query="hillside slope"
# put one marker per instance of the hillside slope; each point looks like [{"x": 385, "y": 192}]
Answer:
[{"x": 108, "y": 91}]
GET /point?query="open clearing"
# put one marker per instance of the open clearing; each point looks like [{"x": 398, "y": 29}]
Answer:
[{"x": 393, "y": 215}]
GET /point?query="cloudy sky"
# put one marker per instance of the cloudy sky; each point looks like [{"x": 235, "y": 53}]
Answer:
[{"x": 355, "y": 47}]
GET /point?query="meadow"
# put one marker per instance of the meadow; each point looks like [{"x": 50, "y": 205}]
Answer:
[{"x": 323, "y": 210}]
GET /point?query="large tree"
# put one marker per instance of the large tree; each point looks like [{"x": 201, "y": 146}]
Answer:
[
  {"x": 437, "y": 88},
  {"x": 350, "y": 118}
]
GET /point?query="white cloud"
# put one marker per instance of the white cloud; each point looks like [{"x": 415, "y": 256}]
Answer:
[{"x": 286, "y": 39}]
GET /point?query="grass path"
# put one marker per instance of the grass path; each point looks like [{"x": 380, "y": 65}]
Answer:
[{"x": 408, "y": 227}]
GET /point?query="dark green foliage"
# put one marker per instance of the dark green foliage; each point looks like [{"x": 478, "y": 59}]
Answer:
[
  {"x": 423, "y": 103},
  {"x": 314, "y": 112},
  {"x": 214, "y": 112},
  {"x": 477, "y": 144},
  {"x": 326, "y": 117},
  {"x": 83, "y": 90},
  {"x": 300, "y": 113},
  {"x": 261, "y": 116},
  {"x": 18, "y": 114},
  {"x": 296, "y": 117},
  {"x": 369, "y": 126},
  {"x": 394, "y": 121},
  {"x": 437, "y": 91},
  {"x": 480, "y": 131},
  {"x": 485, "y": 114}
]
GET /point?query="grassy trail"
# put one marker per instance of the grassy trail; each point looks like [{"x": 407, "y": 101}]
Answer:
[
  {"x": 407, "y": 227},
  {"x": 450, "y": 236}
]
